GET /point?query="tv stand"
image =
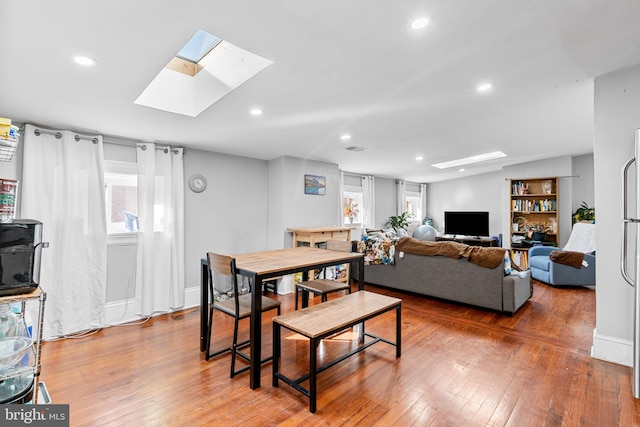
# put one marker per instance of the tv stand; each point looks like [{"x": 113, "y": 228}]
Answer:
[{"x": 469, "y": 240}]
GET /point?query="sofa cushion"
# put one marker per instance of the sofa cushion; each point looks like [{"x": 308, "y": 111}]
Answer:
[{"x": 377, "y": 250}]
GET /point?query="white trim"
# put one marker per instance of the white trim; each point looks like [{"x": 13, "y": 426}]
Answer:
[
  {"x": 122, "y": 239},
  {"x": 124, "y": 311},
  {"x": 612, "y": 349},
  {"x": 113, "y": 166}
]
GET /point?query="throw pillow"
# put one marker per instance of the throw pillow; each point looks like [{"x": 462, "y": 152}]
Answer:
[{"x": 507, "y": 263}]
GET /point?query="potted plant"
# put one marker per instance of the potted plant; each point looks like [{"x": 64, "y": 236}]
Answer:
[
  {"x": 399, "y": 222},
  {"x": 584, "y": 213}
]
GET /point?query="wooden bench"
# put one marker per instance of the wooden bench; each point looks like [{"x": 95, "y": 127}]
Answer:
[{"x": 326, "y": 319}]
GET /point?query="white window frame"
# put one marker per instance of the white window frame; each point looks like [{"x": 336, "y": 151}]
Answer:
[
  {"x": 356, "y": 192},
  {"x": 413, "y": 205},
  {"x": 125, "y": 172}
]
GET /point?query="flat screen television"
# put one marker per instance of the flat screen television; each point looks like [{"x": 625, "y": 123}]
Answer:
[{"x": 474, "y": 224}]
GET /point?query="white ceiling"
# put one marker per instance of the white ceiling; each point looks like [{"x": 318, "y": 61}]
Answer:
[{"x": 339, "y": 66}]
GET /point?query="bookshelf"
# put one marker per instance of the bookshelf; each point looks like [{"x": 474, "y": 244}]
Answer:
[{"x": 533, "y": 207}]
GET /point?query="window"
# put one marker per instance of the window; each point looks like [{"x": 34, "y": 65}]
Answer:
[
  {"x": 413, "y": 205},
  {"x": 121, "y": 191},
  {"x": 353, "y": 207}
]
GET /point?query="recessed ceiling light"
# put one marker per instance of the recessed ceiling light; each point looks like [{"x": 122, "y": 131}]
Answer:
[
  {"x": 345, "y": 137},
  {"x": 484, "y": 87},
  {"x": 468, "y": 160},
  {"x": 256, "y": 112},
  {"x": 461, "y": 170},
  {"x": 419, "y": 158},
  {"x": 85, "y": 60},
  {"x": 420, "y": 23}
]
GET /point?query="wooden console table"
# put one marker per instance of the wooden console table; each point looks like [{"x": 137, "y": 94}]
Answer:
[{"x": 314, "y": 235}]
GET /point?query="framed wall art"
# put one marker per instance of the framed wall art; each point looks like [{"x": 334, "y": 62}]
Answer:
[{"x": 316, "y": 185}]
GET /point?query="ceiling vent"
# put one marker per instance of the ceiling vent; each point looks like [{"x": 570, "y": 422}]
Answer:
[{"x": 354, "y": 148}]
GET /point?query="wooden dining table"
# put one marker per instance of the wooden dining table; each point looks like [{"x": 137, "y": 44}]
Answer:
[{"x": 260, "y": 266}]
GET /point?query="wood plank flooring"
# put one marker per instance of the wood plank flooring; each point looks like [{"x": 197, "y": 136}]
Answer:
[{"x": 460, "y": 366}]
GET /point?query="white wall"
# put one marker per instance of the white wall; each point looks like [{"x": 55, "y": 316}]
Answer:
[
  {"x": 583, "y": 184},
  {"x": 230, "y": 216},
  {"x": 386, "y": 200},
  {"x": 617, "y": 103},
  {"x": 475, "y": 193},
  {"x": 288, "y": 205}
]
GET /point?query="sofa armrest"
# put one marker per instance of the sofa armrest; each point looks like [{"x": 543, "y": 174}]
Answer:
[
  {"x": 541, "y": 250},
  {"x": 517, "y": 288},
  {"x": 590, "y": 260}
]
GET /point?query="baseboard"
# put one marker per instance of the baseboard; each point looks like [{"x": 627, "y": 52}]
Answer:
[
  {"x": 124, "y": 311},
  {"x": 612, "y": 349}
]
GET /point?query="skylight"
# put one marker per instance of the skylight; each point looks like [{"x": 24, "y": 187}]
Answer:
[
  {"x": 469, "y": 160},
  {"x": 206, "y": 69},
  {"x": 198, "y": 46}
]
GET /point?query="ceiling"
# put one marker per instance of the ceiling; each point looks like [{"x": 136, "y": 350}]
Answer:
[{"x": 339, "y": 67}]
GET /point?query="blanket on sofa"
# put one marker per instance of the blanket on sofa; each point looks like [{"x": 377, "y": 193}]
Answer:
[
  {"x": 479, "y": 255},
  {"x": 570, "y": 258}
]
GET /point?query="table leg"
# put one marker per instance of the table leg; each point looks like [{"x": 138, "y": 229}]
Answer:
[
  {"x": 255, "y": 332},
  {"x": 361, "y": 274},
  {"x": 204, "y": 303},
  {"x": 312, "y": 374},
  {"x": 398, "y": 330},
  {"x": 276, "y": 353},
  {"x": 305, "y": 293}
]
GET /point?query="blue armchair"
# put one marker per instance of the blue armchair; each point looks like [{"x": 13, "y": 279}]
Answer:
[{"x": 582, "y": 239}]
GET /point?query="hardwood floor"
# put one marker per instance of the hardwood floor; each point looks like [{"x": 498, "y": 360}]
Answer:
[{"x": 460, "y": 366}]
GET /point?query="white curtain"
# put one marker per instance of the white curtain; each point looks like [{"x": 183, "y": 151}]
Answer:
[
  {"x": 369, "y": 201},
  {"x": 341, "y": 199},
  {"x": 401, "y": 193},
  {"x": 63, "y": 187},
  {"x": 423, "y": 201},
  {"x": 160, "y": 263}
]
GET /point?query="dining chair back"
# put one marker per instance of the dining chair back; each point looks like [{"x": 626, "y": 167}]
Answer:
[{"x": 235, "y": 302}]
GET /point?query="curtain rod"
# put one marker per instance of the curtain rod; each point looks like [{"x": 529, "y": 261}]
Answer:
[
  {"x": 165, "y": 148},
  {"x": 58, "y": 135},
  {"x": 79, "y": 136},
  {"x": 134, "y": 144}
]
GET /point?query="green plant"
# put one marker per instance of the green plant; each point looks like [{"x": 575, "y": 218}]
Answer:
[
  {"x": 584, "y": 213},
  {"x": 399, "y": 221}
]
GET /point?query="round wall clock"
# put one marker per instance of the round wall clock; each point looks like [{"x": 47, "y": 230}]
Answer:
[{"x": 197, "y": 183}]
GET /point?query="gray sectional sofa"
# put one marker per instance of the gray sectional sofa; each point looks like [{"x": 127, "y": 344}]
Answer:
[{"x": 452, "y": 279}]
